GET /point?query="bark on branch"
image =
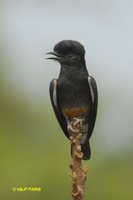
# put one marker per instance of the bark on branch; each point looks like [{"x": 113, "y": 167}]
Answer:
[{"x": 78, "y": 173}]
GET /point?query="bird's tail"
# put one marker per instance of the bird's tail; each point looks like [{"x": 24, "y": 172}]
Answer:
[{"x": 85, "y": 148}]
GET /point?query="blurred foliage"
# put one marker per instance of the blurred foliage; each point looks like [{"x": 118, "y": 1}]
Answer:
[{"x": 35, "y": 153}]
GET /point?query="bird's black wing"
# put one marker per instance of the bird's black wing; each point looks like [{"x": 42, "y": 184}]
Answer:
[
  {"x": 54, "y": 100},
  {"x": 94, "y": 96}
]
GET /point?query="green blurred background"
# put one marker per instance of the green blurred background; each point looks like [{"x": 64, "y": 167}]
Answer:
[{"x": 33, "y": 150}]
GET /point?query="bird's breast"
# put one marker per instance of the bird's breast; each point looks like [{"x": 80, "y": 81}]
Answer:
[{"x": 73, "y": 92}]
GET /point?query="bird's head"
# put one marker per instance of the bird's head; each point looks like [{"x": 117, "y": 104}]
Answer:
[{"x": 68, "y": 52}]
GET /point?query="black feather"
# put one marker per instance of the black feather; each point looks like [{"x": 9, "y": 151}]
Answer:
[{"x": 53, "y": 96}]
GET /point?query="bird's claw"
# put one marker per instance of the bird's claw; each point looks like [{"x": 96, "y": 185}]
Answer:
[
  {"x": 77, "y": 121},
  {"x": 71, "y": 125},
  {"x": 70, "y": 129}
]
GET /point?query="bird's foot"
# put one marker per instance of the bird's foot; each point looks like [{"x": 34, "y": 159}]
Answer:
[
  {"x": 77, "y": 121},
  {"x": 70, "y": 128}
]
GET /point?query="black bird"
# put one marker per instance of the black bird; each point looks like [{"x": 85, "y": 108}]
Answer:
[{"x": 74, "y": 94}]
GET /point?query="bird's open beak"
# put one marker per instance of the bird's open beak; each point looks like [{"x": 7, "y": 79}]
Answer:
[{"x": 57, "y": 56}]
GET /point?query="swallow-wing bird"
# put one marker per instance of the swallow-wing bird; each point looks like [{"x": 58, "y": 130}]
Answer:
[{"x": 74, "y": 94}]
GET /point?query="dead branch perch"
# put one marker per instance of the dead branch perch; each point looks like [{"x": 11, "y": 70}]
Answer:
[{"x": 78, "y": 173}]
